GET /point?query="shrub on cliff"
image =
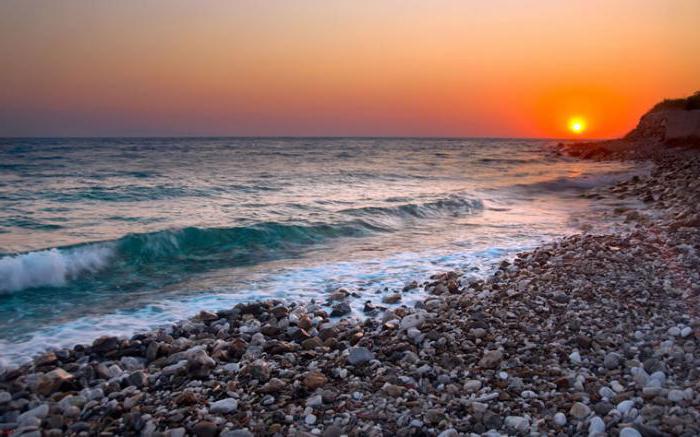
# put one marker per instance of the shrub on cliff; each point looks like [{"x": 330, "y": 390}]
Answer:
[{"x": 687, "y": 104}]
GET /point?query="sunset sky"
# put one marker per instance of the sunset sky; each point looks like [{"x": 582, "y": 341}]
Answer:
[{"x": 506, "y": 68}]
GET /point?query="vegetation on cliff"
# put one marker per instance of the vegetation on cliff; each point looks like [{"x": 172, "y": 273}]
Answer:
[{"x": 687, "y": 104}]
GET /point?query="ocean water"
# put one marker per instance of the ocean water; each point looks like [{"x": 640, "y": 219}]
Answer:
[{"x": 113, "y": 236}]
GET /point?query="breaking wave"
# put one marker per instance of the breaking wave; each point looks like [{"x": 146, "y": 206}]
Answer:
[{"x": 154, "y": 257}]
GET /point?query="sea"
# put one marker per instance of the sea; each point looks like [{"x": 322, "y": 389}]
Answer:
[{"x": 119, "y": 235}]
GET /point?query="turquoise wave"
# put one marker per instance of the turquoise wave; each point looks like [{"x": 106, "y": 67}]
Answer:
[{"x": 155, "y": 259}]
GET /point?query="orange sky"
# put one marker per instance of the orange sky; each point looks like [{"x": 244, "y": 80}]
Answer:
[{"x": 397, "y": 68}]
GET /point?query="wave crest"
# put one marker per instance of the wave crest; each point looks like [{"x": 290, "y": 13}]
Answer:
[
  {"x": 157, "y": 258},
  {"x": 450, "y": 205},
  {"x": 52, "y": 267}
]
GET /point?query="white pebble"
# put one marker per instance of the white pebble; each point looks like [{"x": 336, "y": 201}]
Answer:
[
  {"x": 658, "y": 376},
  {"x": 224, "y": 406},
  {"x": 314, "y": 401},
  {"x": 597, "y": 426},
  {"x": 575, "y": 357},
  {"x": 629, "y": 432},
  {"x": 518, "y": 423},
  {"x": 617, "y": 386},
  {"x": 640, "y": 376},
  {"x": 310, "y": 419},
  {"x": 676, "y": 395},
  {"x": 606, "y": 392},
  {"x": 686, "y": 331},
  {"x": 674, "y": 331},
  {"x": 560, "y": 419},
  {"x": 472, "y": 385},
  {"x": 625, "y": 406}
]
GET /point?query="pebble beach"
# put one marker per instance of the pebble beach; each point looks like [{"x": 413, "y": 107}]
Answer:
[{"x": 588, "y": 335}]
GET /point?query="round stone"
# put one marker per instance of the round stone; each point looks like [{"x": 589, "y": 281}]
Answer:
[
  {"x": 597, "y": 426},
  {"x": 224, "y": 406},
  {"x": 612, "y": 361},
  {"x": 579, "y": 410},
  {"x": 629, "y": 432},
  {"x": 560, "y": 419},
  {"x": 625, "y": 406}
]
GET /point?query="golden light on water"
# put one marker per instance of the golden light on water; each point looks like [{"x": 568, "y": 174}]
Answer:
[{"x": 577, "y": 125}]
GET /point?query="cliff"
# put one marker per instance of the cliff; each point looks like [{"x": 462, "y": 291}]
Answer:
[{"x": 670, "y": 122}]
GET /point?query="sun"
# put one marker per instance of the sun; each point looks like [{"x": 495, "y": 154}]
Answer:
[{"x": 577, "y": 125}]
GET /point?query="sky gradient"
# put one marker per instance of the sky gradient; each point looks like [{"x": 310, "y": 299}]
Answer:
[{"x": 504, "y": 68}]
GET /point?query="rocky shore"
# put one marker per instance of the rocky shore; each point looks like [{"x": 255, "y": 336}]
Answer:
[{"x": 590, "y": 335}]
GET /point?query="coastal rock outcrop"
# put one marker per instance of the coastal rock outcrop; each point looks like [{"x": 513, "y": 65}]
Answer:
[{"x": 671, "y": 122}]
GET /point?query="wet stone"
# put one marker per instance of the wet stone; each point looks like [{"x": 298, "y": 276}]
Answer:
[{"x": 359, "y": 355}]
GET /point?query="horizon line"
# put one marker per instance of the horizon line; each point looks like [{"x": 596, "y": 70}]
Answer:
[{"x": 427, "y": 137}]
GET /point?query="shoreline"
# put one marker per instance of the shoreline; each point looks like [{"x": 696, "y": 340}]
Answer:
[{"x": 589, "y": 334}]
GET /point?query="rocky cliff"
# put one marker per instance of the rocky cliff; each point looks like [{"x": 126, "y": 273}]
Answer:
[{"x": 670, "y": 121}]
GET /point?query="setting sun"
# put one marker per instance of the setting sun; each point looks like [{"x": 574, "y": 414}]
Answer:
[{"x": 577, "y": 125}]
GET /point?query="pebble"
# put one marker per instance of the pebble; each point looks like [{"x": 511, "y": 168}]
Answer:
[
  {"x": 411, "y": 321},
  {"x": 625, "y": 406},
  {"x": 612, "y": 361},
  {"x": 676, "y": 395},
  {"x": 205, "y": 428},
  {"x": 237, "y": 433},
  {"x": 629, "y": 432},
  {"x": 517, "y": 423},
  {"x": 341, "y": 309},
  {"x": 658, "y": 377},
  {"x": 314, "y": 401},
  {"x": 224, "y": 406},
  {"x": 176, "y": 432},
  {"x": 596, "y": 426},
  {"x": 478, "y": 332},
  {"x": 640, "y": 376},
  {"x": 579, "y": 410},
  {"x": 333, "y": 431},
  {"x": 138, "y": 379},
  {"x": 391, "y": 298},
  {"x": 35, "y": 413},
  {"x": 471, "y": 386},
  {"x": 359, "y": 355},
  {"x": 606, "y": 392},
  {"x": 392, "y": 390},
  {"x": 575, "y": 358},
  {"x": 616, "y": 386},
  {"x": 5, "y": 397},
  {"x": 491, "y": 359},
  {"x": 314, "y": 380},
  {"x": 560, "y": 419}
]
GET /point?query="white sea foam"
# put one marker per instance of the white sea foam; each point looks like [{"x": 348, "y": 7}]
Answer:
[
  {"x": 52, "y": 267},
  {"x": 292, "y": 284}
]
